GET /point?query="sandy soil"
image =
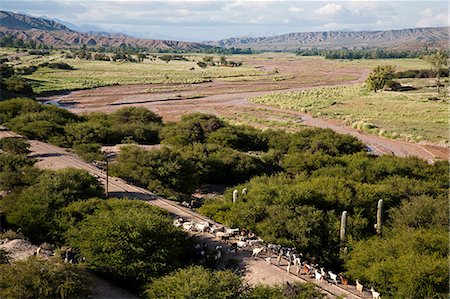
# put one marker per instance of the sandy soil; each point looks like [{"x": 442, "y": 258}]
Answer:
[{"x": 229, "y": 99}]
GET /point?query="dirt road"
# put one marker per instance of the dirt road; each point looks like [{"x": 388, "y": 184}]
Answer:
[{"x": 255, "y": 270}]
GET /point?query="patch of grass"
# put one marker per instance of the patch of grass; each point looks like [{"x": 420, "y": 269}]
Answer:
[
  {"x": 90, "y": 74},
  {"x": 405, "y": 115}
]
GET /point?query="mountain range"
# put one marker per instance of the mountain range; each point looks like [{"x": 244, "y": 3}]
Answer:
[
  {"x": 403, "y": 38},
  {"x": 50, "y": 32}
]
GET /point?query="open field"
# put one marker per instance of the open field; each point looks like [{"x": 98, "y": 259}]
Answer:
[
  {"x": 407, "y": 115},
  {"x": 274, "y": 72}
]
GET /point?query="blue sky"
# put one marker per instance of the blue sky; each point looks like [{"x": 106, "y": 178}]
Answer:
[{"x": 213, "y": 20}]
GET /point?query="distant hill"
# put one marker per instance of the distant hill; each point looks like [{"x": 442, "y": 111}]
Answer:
[
  {"x": 414, "y": 38},
  {"x": 55, "y": 34},
  {"x": 24, "y": 22}
]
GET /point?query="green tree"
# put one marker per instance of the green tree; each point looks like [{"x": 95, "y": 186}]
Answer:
[
  {"x": 39, "y": 278},
  {"x": 437, "y": 61},
  {"x": 33, "y": 209},
  {"x": 165, "y": 170},
  {"x": 18, "y": 85},
  {"x": 131, "y": 241},
  {"x": 404, "y": 264},
  {"x": 379, "y": 76},
  {"x": 196, "y": 282}
]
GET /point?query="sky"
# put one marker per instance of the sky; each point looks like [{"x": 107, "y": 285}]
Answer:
[{"x": 214, "y": 20}]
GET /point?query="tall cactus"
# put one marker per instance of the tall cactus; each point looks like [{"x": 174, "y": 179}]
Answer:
[
  {"x": 235, "y": 195},
  {"x": 343, "y": 228},
  {"x": 379, "y": 225}
]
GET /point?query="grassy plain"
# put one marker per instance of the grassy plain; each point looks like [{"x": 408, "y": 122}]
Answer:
[
  {"x": 406, "y": 115},
  {"x": 91, "y": 74}
]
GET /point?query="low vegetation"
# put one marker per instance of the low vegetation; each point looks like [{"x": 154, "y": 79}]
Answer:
[
  {"x": 38, "y": 278},
  {"x": 408, "y": 115}
]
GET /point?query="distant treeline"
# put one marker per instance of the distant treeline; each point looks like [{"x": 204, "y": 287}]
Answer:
[
  {"x": 11, "y": 41},
  {"x": 362, "y": 53}
]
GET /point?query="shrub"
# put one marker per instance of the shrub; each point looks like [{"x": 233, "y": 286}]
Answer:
[
  {"x": 129, "y": 241},
  {"x": 165, "y": 170},
  {"x": 17, "y": 106},
  {"x": 196, "y": 282},
  {"x": 404, "y": 264},
  {"x": 379, "y": 76},
  {"x": 14, "y": 145},
  {"x": 38, "y": 278},
  {"x": 11, "y": 235},
  {"x": 19, "y": 86},
  {"x": 89, "y": 152},
  {"x": 285, "y": 291},
  {"x": 33, "y": 209},
  {"x": 57, "y": 65}
]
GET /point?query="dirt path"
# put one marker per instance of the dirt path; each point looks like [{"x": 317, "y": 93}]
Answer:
[{"x": 255, "y": 270}]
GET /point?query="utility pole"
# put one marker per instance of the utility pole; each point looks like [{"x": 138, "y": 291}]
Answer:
[{"x": 107, "y": 176}]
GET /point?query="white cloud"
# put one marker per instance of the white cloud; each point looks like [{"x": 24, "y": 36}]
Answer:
[
  {"x": 431, "y": 19},
  {"x": 296, "y": 9},
  {"x": 330, "y": 10}
]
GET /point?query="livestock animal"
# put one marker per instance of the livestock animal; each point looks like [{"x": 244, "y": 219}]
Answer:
[
  {"x": 297, "y": 262},
  {"x": 307, "y": 268},
  {"x": 288, "y": 269},
  {"x": 323, "y": 273},
  {"x": 344, "y": 281},
  {"x": 359, "y": 286},
  {"x": 222, "y": 236},
  {"x": 318, "y": 276},
  {"x": 188, "y": 225},
  {"x": 231, "y": 231},
  {"x": 178, "y": 222},
  {"x": 257, "y": 251},
  {"x": 274, "y": 248},
  {"x": 241, "y": 244},
  {"x": 297, "y": 271},
  {"x": 202, "y": 226},
  {"x": 333, "y": 277},
  {"x": 375, "y": 294}
]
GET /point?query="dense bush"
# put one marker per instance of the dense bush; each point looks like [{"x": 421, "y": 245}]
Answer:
[
  {"x": 193, "y": 128},
  {"x": 302, "y": 209},
  {"x": 38, "y": 278},
  {"x": 34, "y": 208},
  {"x": 404, "y": 264},
  {"x": 15, "y": 107},
  {"x": 89, "y": 151},
  {"x": 196, "y": 282},
  {"x": 285, "y": 291},
  {"x": 57, "y": 65},
  {"x": 130, "y": 241},
  {"x": 18, "y": 85},
  {"x": 14, "y": 145},
  {"x": 163, "y": 170}
]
